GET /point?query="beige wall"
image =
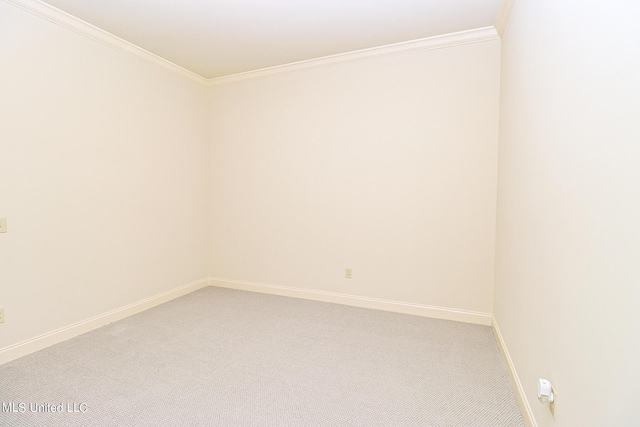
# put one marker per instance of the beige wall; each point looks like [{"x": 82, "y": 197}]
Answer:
[
  {"x": 568, "y": 224},
  {"x": 103, "y": 178},
  {"x": 108, "y": 168},
  {"x": 387, "y": 166}
]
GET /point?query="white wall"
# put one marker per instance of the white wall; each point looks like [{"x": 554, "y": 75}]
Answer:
[
  {"x": 103, "y": 178},
  {"x": 387, "y": 166},
  {"x": 568, "y": 224}
]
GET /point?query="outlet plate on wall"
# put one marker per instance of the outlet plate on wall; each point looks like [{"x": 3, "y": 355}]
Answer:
[
  {"x": 1, "y": 315},
  {"x": 3, "y": 225}
]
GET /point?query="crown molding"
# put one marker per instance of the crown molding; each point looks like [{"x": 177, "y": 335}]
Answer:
[
  {"x": 66, "y": 20},
  {"x": 502, "y": 16},
  {"x": 429, "y": 43},
  {"x": 79, "y": 26}
]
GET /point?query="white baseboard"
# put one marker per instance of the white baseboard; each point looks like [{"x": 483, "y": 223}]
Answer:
[
  {"x": 523, "y": 403},
  {"x": 23, "y": 348},
  {"x": 358, "y": 301}
]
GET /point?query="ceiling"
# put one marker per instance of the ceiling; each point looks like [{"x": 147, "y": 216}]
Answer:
[{"x": 215, "y": 38}]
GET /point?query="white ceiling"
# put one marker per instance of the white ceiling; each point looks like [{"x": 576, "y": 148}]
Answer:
[{"x": 215, "y": 38}]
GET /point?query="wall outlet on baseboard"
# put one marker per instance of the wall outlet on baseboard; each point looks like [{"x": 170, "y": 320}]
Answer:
[
  {"x": 1, "y": 315},
  {"x": 347, "y": 273}
]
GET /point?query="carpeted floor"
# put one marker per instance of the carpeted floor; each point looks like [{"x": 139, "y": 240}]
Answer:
[{"x": 221, "y": 357}]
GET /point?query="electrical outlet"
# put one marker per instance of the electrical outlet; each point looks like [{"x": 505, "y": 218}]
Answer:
[
  {"x": 3, "y": 225},
  {"x": 347, "y": 273},
  {"x": 1, "y": 315}
]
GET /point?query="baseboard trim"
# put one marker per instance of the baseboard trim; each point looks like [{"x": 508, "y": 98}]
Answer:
[
  {"x": 358, "y": 301},
  {"x": 32, "y": 345},
  {"x": 523, "y": 403}
]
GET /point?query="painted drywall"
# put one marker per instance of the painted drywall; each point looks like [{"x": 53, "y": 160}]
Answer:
[
  {"x": 568, "y": 224},
  {"x": 387, "y": 166},
  {"x": 103, "y": 178}
]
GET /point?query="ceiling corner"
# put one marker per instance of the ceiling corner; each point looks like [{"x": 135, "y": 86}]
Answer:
[{"x": 502, "y": 17}]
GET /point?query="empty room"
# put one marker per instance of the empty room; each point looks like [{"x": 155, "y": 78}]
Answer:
[{"x": 319, "y": 213}]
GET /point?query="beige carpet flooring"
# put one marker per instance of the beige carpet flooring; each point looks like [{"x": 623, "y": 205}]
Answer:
[{"x": 221, "y": 357}]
